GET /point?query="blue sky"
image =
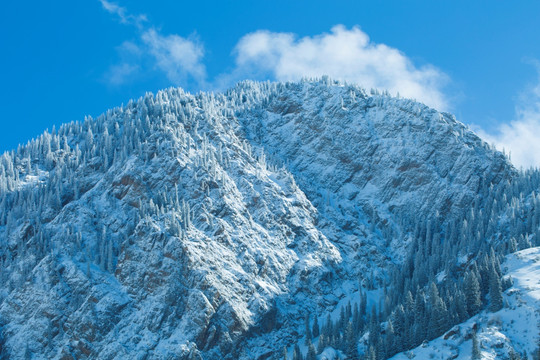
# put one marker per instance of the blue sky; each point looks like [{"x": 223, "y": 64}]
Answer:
[{"x": 62, "y": 60}]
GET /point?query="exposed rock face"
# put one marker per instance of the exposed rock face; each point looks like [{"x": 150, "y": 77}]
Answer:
[
  {"x": 187, "y": 226},
  {"x": 357, "y": 156}
]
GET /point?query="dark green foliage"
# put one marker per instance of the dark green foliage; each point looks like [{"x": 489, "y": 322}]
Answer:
[
  {"x": 311, "y": 352},
  {"x": 495, "y": 292},
  {"x": 315, "y": 330},
  {"x": 3, "y": 350},
  {"x": 321, "y": 345},
  {"x": 350, "y": 341},
  {"x": 297, "y": 353},
  {"x": 308, "y": 330},
  {"x": 513, "y": 355},
  {"x": 472, "y": 294},
  {"x": 476, "y": 353}
]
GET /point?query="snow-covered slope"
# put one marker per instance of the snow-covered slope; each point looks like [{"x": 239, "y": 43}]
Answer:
[
  {"x": 368, "y": 163},
  {"x": 188, "y": 226},
  {"x": 513, "y": 330}
]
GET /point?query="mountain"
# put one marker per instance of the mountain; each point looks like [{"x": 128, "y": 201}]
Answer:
[{"x": 221, "y": 225}]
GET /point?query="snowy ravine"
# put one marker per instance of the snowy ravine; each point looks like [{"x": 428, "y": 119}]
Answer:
[
  {"x": 208, "y": 226},
  {"x": 508, "y": 332}
]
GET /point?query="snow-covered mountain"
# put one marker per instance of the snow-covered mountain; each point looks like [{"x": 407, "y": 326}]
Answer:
[{"x": 215, "y": 226}]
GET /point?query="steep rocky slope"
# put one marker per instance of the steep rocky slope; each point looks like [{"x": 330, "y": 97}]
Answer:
[
  {"x": 365, "y": 158},
  {"x": 189, "y": 226}
]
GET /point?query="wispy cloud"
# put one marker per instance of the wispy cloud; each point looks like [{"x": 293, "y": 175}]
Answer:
[
  {"x": 346, "y": 54},
  {"x": 521, "y": 137},
  {"x": 178, "y": 58},
  {"x": 120, "y": 74},
  {"x": 122, "y": 13}
]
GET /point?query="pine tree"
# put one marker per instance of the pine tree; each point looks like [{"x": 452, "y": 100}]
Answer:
[
  {"x": 321, "y": 345},
  {"x": 483, "y": 278},
  {"x": 356, "y": 320},
  {"x": 315, "y": 330},
  {"x": 374, "y": 328},
  {"x": 460, "y": 306},
  {"x": 350, "y": 341},
  {"x": 342, "y": 319},
  {"x": 311, "y": 352},
  {"x": 472, "y": 294},
  {"x": 495, "y": 291},
  {"x": 372, "y": 354},
  {"x": 3, "y": 350},
  {"x": 439, "y": 319},
  {"x": 392, "y": 344},
  {"x": 420, "y": 317},
  {"x": 476, "y": 353},
  {"x": 513, "y": 355},
  {"x": 297, "y": 353},
  {"x": 398, "y": 321},
  {"x": 328, "y": 327},
  {"x": 409, "y": 307},
  {"x": 363, "y": 304},
  {"x": 308, "y": 330}
]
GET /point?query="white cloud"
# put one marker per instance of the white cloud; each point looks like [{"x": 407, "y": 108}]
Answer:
[
  {"x": 122, "y": 13},
  {"x": 521, "y": 137},
  {"x": 121, "y": 73},
  {"x": 178, "y": 58},
  {"x": 341, "y": 54}
]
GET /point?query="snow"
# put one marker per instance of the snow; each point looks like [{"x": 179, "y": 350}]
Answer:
[
  {"x": 29, "y": 180},
  {"x": 440, "y": 276}
]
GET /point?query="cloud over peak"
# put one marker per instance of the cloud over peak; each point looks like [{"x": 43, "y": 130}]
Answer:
[{"x": 345, "y": 54}]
